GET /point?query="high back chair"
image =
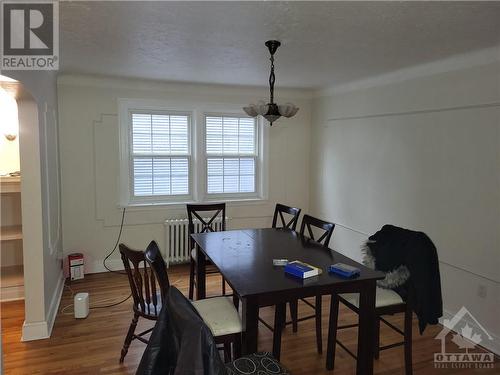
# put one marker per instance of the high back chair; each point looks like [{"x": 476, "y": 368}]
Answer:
[
  {"x": 182, "y": 342},
  {"x": 387, "y": 302},
  {"x": 199, "y": 224},
  {"x": 285, "y": 223},
  {"x": 311, "y": 225},
  {"x": 218, "y": 313},
  {"x": 144, "y": 288}
]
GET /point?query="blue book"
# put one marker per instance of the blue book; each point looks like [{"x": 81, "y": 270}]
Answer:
[
  {"x": 344, "y": 270},
  {"x": 301, "y": 270}
]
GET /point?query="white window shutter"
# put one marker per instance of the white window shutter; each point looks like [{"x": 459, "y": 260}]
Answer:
[
  {"x": 231, "y": 151},
  {"x": 160, "y": 153}
]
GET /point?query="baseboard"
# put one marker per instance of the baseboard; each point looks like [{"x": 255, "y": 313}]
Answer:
[
  {"x": 43, "y": 330},
  {"x": 491, "y": 345},
  {"x": 97, "y": 266},
  {"x": 12, "y": 293}
]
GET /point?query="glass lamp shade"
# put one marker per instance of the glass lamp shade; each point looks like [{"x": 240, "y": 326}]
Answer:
[
  {"x": 271, "y": 111},
  {"x": 288, "y": 110},
  {"x": 251, "y": 110}
]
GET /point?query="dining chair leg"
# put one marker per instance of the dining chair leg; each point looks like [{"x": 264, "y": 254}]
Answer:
[
  {"x": 237, "y": 346},
  {"x": 319, "y": 338},
  {"x": 223, "y": 286},
  {"x": 294, "y": 306},
  {"x": 191, "y": 279},
  {"x": 332, "y": 332},
  {"x": 376, "y": 348},
  {"x": 129, "y": 337},
  {"x": 236, "y": 301},
  {"x": 279, "y": 323},
  {"x": 408, "y": 341},
  {"x": 227, "y": 352}
]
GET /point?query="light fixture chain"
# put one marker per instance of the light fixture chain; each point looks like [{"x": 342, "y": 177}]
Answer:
[{"x": 272, "y": 79}]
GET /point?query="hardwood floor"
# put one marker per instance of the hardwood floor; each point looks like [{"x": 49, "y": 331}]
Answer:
[{"x": 92, "y": 345}]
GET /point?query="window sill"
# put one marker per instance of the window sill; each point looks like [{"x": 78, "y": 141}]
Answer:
[{"x": 144, "y": 206}]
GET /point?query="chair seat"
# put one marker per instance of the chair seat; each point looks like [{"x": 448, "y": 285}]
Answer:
[
  {"x": 385, "y": 297},
  {"x": 258, "y": 364},
  {"x": 220, "y": 315}
]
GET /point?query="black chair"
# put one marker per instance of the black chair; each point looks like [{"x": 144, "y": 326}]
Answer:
[
  {"x": 216, "y": 222},
  {"x": 182, "y": 343},
  {"x": 387, "y": 302},
  {"x": 326, "y": 228},
  {"x": 289, "y": 217},
  {"x": 218, "y": 313},
  {"x": 147, "y": 300},
  {"x": 286, "y": 223}
]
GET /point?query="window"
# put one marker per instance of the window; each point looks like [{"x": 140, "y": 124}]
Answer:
[
  {"x": 160, "y": 154},
  {"x": 176, "y": 153},
  {"x": 231, "y": 155}
]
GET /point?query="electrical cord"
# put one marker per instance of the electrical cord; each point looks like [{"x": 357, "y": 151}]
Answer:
[
  {"x": 63, "y": 310},
  {"x": 114, "y": 247}
]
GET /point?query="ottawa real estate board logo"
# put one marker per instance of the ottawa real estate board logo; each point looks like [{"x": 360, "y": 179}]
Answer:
[
  {"x": 466, "y": 335},
  {"x": 30, "y": 35}
]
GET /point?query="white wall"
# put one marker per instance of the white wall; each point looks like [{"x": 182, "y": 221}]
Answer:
[
  {"x": 40, "y": 191},
  {"x": 88, "y": 110},
  {"x": 9, "y": 155},
  {"x": 422, "y": 154}
]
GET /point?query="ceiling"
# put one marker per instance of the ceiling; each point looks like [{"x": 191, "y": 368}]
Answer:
[{"x": 323, "y": 43}]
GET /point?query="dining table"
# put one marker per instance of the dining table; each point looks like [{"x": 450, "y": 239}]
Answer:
[{"x": 244, "y": 257}]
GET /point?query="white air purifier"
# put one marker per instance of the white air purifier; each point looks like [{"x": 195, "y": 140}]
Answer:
[{"x": 81, "y": 305}]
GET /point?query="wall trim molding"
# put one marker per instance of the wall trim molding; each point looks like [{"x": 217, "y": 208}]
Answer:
[
  {"x": 460, "y": 268},
  {"x": 453, "y": 63},
  {"x": 177, "y": 87},
  {"x": 417, "y": 112},
  {"x": 42, "y": 330}
]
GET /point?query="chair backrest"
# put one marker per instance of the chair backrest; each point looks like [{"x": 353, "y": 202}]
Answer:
[
  {"x": 308, "y": 222},
  {"x": 156, "y": 262},
  {"x": 206, "y": 224},
  {"x": 292, "y": 222},
  {"x": 142, "y": 281},
  {"x": 181, "y": 342}
]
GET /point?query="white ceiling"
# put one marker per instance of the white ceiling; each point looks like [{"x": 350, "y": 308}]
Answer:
[{"x": 323, "y": 43}]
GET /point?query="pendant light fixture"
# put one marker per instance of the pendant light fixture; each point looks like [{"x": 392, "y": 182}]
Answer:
[{"x": 271, "y": 111}]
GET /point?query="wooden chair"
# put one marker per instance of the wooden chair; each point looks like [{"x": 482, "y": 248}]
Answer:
[
  {"x": 387, "y": 302},
  {"x": 182, "y": 343},
  {"x": 286, "y": 223},
  {"x": 143, "y": 285},
  {"x": 218, "y": 313},
  {"x": 290, "y": 223},
  {"x": 308, "y": 223},
  {"x": 205, "y": 225}
]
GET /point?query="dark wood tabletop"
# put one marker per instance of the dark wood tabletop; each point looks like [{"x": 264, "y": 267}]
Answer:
[{"x": 245, "y": 258}]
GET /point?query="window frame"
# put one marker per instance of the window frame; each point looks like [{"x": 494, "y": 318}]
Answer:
[
  {"x": 165, "y": 197},
  {"x": 256, "y": 156},
  {"x": 197, "y": 181}
]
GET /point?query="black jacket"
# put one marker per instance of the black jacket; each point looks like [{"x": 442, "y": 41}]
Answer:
[
  {"x": 181, "y": 343},
  {"x": 392, "y": 247}
]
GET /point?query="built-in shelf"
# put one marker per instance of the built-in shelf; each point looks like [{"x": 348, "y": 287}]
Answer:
[
  {"x": 11, "y": 233},
  {"x": 12, "y": 276},
  {"x": 12, "y": 280},
  {"x": 10, "y": 184}
]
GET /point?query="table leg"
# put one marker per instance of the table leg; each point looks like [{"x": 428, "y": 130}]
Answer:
[
  {"x": 200, "y": 274},
  {"x": 366, "y": 332},
  {"x": 279, "y": 323},
  {"x": 250, "y": 314}
]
